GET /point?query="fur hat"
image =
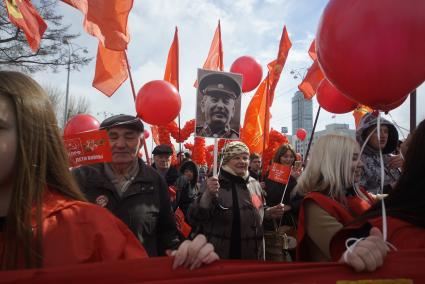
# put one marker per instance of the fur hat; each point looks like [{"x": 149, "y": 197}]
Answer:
[{"x": 233, "y": 149}]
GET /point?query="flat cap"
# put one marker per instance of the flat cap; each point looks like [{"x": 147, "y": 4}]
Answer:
[
  {"x": 123, "y": 120},
  {"x": 219, "y": 84},
  {"x": 162, "y": 149}
]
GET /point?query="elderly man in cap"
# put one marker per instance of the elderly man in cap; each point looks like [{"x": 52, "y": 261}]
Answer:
[
  {"x": 162, "y": 163},
  {"x": 131, "y": 190},
  {"x": 219, "y": 93}
]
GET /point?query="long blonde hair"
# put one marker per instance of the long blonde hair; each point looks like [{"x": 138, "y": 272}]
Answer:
[
  {"x": 329, "y": 170},
  {"x": 41, "y": 162}
]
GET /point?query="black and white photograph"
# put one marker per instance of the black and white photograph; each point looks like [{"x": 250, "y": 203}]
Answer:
[{"x": 218, "y": 104}]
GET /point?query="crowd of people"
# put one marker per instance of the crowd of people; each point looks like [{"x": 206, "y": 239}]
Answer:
[{"x": 127, "y": 208}]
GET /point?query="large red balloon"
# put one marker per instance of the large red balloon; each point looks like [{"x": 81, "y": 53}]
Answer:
[
  {"x": 80, "y": 123},
  {"x": 158, "y": 102},
  {"x": 301, "y": 134},
  {"x": 251, "y": 71},
  {"x": 333, "y": 100},
  {"x": 373, "y": 51}
]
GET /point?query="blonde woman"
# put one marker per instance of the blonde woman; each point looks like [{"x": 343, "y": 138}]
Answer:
[{"x": 330, "y": 199}]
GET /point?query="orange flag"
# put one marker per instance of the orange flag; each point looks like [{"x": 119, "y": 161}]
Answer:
[
  {"x": 23, "y": 15},
  {"x": 215, "y": 55},
  {"x": 312, "y": 50},
  {"x": 111, "y": 70},
  {"x": 255, "y": 132},
  {"x": 276, "y": 66},
  {"x": 359, "y": 112},
  {"x": 172, "y": 69},
  {"x": 311, "y": 81},
  {"x": 106, "y": 20}
]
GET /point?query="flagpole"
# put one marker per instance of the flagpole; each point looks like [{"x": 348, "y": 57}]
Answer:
[
  {"x": 129, "y": 75},
  {"x": 178, "y": 87},
  {"x": 134, "y": 97},
  {"x": 265, "y": 112},
  {"x": 312, "y": 134},
  {"x": 412, "y": 111}
]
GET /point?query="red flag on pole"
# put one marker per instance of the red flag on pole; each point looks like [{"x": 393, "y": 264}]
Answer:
[
  {"x": 24, "y": 16},
  {"x": 111, "y": 70},
  {"x": 255, "y": 132},
  {"x": 311, "y": 81},
  {"x": 172, "y": 69},
  {"x": 106, "y": 21}
]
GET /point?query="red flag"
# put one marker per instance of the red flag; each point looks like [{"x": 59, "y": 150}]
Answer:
[
  {"x": 23, "y": 15},
  {"x": 106, "y": 21},
  {"x": 276, "y": 66},
  {"x": 111, "y": 70},
  {"x": 172, "y": 69},
  {"x": 215, "y": 55},
  {"x": 257, "y": 116},
  {"x": 311, "y": 81},
  {"x": 312, "y": 50},
  {"x": 155, "y": 135}
]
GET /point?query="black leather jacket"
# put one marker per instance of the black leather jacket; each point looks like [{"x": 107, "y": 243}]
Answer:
[{"x": 145, "y": 206}]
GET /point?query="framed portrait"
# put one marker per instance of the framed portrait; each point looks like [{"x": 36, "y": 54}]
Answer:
[{"x": 218, "y": 104}]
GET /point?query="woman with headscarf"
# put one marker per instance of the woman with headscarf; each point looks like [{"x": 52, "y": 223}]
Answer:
[{"x": 231, "y": 209}]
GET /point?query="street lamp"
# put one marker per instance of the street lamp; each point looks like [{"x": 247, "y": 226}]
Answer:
[
  {"x": 65, "y": 115},
  {"x": 71, "y": 51}
]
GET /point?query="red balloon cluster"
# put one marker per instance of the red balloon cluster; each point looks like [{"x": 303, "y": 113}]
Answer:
[
  {"x": 301, "y": 134},
  {"x": 333, "y": 100},
  {"x": 373, "y": 52},
  {"x": 158, "y": 102},
  {"x": 251, "y": 71},
  {"x": 80, "y": 123}
]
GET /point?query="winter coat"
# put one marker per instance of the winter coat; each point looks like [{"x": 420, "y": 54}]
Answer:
[
  {"x": 145, "y": 206},
  {"x": 216, "y": 221},
  {"x": 77, "y": 232},
  {"x": 371, "y": 176},
  {"x": 187, "y": 190}
]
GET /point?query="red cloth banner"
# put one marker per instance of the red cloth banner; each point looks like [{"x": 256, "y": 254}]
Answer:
[
  {"x": 279, "y": 173},
  {"x": 400, "y": 267},
  {"x": 88, "y": 148}
]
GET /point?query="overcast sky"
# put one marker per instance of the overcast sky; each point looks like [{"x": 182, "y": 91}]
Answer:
[{"x": 248, "y": 27}]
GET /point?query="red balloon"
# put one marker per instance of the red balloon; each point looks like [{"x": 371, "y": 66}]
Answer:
[
  {"x": 373, "y": 51},
  {"x": 251, "y": 71},
  {"x": 80, "y": 123},
  {"x": 301, "y": 134},
  {"x": 158, "y": 102},
  {"x": 146, "y": 134},
  {"x": 333, "y": 100},
  {"x": 396, "y": 104}
]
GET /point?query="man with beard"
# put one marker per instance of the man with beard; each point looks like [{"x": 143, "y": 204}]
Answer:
[{"x": 219, "y": 93}]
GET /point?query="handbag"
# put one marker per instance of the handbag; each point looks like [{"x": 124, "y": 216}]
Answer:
[{"x": 280, "y": 244}]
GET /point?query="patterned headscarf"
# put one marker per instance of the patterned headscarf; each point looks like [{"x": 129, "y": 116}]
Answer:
[{"x": 233, "y": 149}]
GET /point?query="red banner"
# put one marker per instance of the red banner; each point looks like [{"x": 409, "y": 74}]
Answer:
[
  {"x": 400, "y": 267},
  {"x": 88, "y": 148},
  {"x": 279, "y": 173}
]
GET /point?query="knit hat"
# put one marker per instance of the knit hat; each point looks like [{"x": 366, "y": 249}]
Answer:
[{"x": 233, "y": 149}]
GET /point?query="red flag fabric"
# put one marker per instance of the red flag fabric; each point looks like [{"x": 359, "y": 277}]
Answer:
[
  {"x": 275, "y": 67},
  {"x": 257, "y": 119},
  {"x": 107, "y": 22},
  {"x": 155, "y": 135},
  {"x": 312, "y": 50},
  {"x": 111, "y": 70},
  {"x": 311, "y": 81},
  {"x": 214, "y": 59},
  {"x": 215, "y": 55},
  {"x": 255, "y": 132},
  {"x": 172, "y": 69},
  {"x": 400, "y": 267},
  {"x": 24, "y": 16}
]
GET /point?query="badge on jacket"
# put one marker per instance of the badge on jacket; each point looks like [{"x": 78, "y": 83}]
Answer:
[{"x": 102, "y": 200}]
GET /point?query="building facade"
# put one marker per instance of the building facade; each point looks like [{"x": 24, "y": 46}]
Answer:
[{"x": 302, "y": 117}]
